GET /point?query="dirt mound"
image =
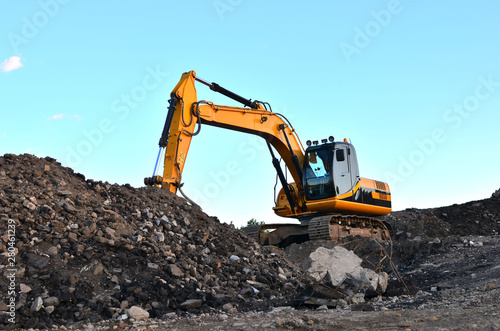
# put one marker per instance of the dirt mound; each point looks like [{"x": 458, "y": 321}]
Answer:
[
  {"x": 422, "y": 232},
  {"x": 77, "y": 250},
  {"x": 440, "y": 248},
  {"x": 87, "y": 250}
]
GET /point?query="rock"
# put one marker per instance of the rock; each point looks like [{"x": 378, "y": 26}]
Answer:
[
  {"x": 51, "y": 301},
  {"x": 111, "y": 232},
  {"x": 29, "y": 205},
  {"x": 227, "y": 307},
  {"x": 37, "y": 304},
  {"x": 358, "y": 298},
  {"x": 37, "y": 261},
  {"x": 160, "y": 236},
  {"x": 191, "y": 304},
  {"x": 175, "y": 271},
  {"x": 337, "y": 262},
  {"x": 362, "y": 307},
  {"x": 337, "y": 274},
  {"x": 137, "y": 313},
  {"x": 98, "y": 269},
  {"x": 257, "y": 285},
  {"x": 53, "y": 251},
  {"x": 69, "y": 208},
  {"x": 383, "y": 281},
  {"x": 23, "y": 288}
]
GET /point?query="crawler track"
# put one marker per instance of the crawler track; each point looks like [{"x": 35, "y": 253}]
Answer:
[
  {"x": 331, "y": 227},
  {"x": 339, "y": 226}
]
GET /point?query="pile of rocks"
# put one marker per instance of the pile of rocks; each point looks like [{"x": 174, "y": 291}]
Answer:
[
  {"x": 78, "y": 250},
  {"x": 87, "y": 250},
  {"x": 419, "y": 233}
]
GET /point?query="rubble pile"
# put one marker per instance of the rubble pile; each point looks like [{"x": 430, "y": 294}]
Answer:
[
  {"x": 422, "y": 232},
  {"x": 75, "y": 250},
  {"x": 88, "y": 250}
]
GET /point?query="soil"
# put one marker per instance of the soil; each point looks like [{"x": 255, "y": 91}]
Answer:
[{"x": 87, "y": 255}]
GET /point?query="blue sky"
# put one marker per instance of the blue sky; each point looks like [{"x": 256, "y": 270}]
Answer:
[{"x": 415, "y": 85}]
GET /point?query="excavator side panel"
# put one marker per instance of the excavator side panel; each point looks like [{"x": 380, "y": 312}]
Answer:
[{"x": 368, "y": 197}]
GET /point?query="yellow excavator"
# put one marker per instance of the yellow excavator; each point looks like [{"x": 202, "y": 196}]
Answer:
[{"x": 328, "y": 196}]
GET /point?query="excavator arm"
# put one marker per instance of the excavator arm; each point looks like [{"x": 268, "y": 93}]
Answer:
[{"x": 186, "y": 114}]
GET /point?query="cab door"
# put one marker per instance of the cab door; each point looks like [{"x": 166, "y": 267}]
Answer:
[{"x": 342, "y": 180}]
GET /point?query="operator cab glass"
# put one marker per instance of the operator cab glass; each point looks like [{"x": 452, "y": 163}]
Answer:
[{"x": 330, "y": 170}]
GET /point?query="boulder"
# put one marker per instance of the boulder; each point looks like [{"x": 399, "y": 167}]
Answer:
[{"x": 137, "y": 313}]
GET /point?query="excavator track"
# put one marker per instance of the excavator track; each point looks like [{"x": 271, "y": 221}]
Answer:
[
  {"x": 332, "y": 227},
  {"x": 252, "y": 231},
  {"x": 337, "y": 227}
]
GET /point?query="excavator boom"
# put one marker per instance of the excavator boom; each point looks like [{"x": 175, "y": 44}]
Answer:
[{"x": 186, "y": 114}]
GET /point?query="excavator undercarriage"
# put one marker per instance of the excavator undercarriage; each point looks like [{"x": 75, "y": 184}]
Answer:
[{"x": 330, "y": 227}]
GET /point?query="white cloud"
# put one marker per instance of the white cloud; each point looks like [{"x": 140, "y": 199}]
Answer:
[
  {"x": 56, "y": 117},
  {"x": 12, "y": 63},
  {"x": 63, "y": 116}
]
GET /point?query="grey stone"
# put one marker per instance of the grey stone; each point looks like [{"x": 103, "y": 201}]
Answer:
[
  {"x": 52, "y": 251},
  {"x": 257, "y": 285},
  {"x": 338, "y": 264},
  {"x": 69, "y": 208},
  {"x": 37, "y": 261},
  {"x": 227, "y": 307},
  {"x": 51, "y": 301},
  {"x": 23, "y": 288},
  {"x": 37, "y": 304},
  {"x": 99, "y": 268},
  {"x": 191, "y": 304},
  {"x": 160, "y": 236},
  {"x": 111, "y": 232},
  {"x": 137, "y": 313},
  {"x": 322, "y": 308},
  {"x": 28, "y": 204},
  {"x": 362, "y": 307},
  {"x": 175, "y": 270}
]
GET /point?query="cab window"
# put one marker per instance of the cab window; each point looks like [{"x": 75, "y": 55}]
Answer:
[{"x": 318, "y": 178}]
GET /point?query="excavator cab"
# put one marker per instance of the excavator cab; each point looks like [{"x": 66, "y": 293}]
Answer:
[{"x": 330, "y": 170}]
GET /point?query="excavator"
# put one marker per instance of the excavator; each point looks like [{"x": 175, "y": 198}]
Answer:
[{"x": 328, "y": 196}]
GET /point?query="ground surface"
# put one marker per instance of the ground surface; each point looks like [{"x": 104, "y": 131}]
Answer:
[{"x": 86, "y": 252}]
